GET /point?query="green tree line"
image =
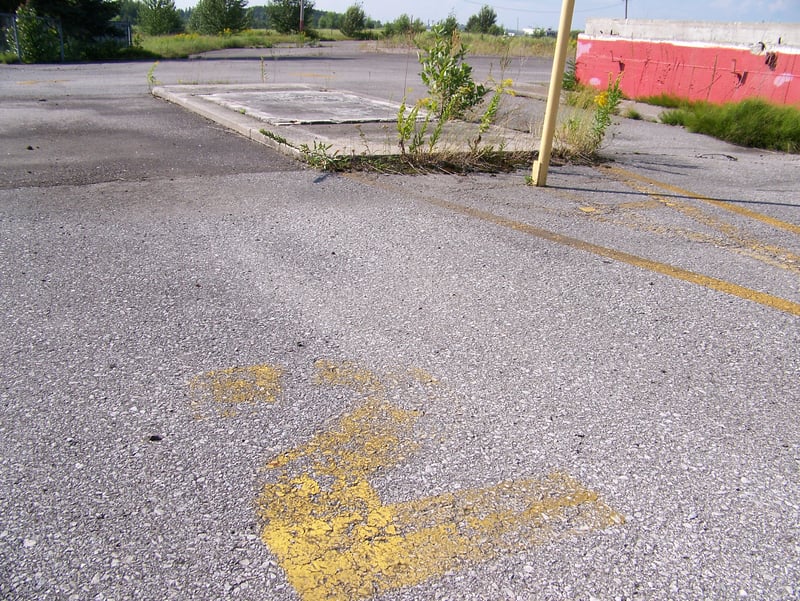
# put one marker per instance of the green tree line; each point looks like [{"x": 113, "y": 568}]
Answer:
[
  {"x": 87, "y": 30},
  {"x": 89, "y": 19}
]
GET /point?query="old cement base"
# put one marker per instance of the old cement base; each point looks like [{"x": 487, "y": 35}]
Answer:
[{"x": 290, "y": 118}]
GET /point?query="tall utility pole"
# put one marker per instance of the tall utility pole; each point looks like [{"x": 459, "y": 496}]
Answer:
[
  {"x": 626, "y": 9},
  {"x": 302, "y": 16},
  {"x": 540, "y": 166}
]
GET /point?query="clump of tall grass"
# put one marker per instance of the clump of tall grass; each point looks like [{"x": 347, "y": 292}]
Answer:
[
  {"x": 480, "y": 44},
  {"x": 667, "y": 101},
  {"x": 752, "y": 122},
  {"x": 487, "y": 45},
  {"x": 185, "y": 44}
]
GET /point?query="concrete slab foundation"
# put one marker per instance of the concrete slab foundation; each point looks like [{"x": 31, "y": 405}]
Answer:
[
  {"x": 288, "y": 107},
  {"x": 290, "y": 118}
]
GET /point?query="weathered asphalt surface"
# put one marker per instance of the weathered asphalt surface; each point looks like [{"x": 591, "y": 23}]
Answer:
[{"x": 142, "y": 246}]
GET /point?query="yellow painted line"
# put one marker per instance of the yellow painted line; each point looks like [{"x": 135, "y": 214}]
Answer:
[
  {"x": 712, "y": 283},
  {"x": 236, "y": 386},
  {"x": 33, "y": 82},
  {"x": 337, "y": 540},
  {"x": 770, "y": 254},
  {"x": 727, "y": 206}
]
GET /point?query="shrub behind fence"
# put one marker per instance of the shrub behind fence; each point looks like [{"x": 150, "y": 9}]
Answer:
[{"x": 35, "y": 39}]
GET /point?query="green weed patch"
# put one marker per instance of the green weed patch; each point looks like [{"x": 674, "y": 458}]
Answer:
[
  {"x": 183, "y": 45},
  {"x": 753, "y": 123},
  {"x": 478, "y": 44}
]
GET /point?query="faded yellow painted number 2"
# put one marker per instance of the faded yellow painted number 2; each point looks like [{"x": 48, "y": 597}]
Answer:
[{"x": 337, "y": 541}]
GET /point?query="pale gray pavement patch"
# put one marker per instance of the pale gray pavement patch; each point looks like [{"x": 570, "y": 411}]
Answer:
[
  {"x": 285, "y": 107},
  {"x": 341, "y": 122}
]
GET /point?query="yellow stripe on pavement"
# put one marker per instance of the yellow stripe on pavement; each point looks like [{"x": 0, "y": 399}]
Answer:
[
  {"x": 726, "y": 205},
  {"x": 338, "y": 541},
  {"x": 762, "y": 298}
]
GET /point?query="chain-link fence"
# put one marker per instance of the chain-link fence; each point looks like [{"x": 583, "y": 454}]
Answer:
[
  {"x": 8, "y": 37},
  {"x": 123, "y": 32},
  {"x": 33, "y": 39}
]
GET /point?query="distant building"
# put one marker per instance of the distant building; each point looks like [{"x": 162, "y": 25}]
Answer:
[{"x": 539, "y": 32}]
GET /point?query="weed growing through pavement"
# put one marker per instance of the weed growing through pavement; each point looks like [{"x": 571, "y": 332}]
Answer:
[
  {"x": 569, "y": 81},
  {"x": 151, "y": 76},
  {"x": 632, "y": 113},
  {"x": 319, "y": 157},
  {"x": 607, "y": 103},
  {"x": 411, "y": 134},
  {"x": 451, "y": 89},
  {"x": 277, "y": 138},
  {"x": 581, "y": 133},
  {"x": 453, "y": 95}
]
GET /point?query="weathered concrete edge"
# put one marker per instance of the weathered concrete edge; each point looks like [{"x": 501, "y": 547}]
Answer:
[
  {"x": 236, "y": 122},
  {"x": 286, "y": 139},
  {"x": 290, "y": 139},
  {"x": 781, "y": 36}
]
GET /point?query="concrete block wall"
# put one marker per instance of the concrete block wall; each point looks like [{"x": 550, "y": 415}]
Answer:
[{"x": 716, "y": 62}]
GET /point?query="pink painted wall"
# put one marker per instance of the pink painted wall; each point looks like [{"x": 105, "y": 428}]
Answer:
[{"x": 716, "y": 72}]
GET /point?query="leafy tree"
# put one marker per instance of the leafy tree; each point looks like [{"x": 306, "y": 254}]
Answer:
[
  {"x": 448, "y": 77},
  {"x": 311, "y": 17},
  {"x": 403, "y": 25},
  {"x": 37, "y": 37},
  {"x": 354, "y": 21},
  {"x": 129, "y": 11},
  {"x": 217, "y": 16},
  {"x": 284, "y": 15},
  {"x": 186, "y": 15},
  {"x": 258, "y": 17},
  {"x": 81, "y": 20},
  {"x": 484, "y": 22},
  {"x": 159, "y": 17},
  {"x": 450, "y": 25},
  {"x": 330, "y": 20}
]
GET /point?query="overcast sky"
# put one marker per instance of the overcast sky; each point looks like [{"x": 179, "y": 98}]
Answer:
[{"x": 514, "y": 14}]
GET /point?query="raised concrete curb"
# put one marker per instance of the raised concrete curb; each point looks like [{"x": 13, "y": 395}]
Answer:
[
  {"x": 193, "y": 98},
  {"x": 341, "y": 122}
]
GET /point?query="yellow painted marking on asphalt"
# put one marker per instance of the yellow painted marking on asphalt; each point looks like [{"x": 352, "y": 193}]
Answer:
[
  {"x": 638, "y": 204},
  {"x": 33, "y": 82},
  {"x": 235, "y": 386},
  {"x": 338, "y": 541},
  {"x": 770, "y": 254},
  {"x": 346, "y": 374},
  {"x": 755, "y": 296},
  {"x": 728, "y": 206},
  {"x": 762, "y": 298}
]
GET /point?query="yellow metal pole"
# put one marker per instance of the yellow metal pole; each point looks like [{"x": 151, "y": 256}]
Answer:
[{"x": 539, "y": 174}]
